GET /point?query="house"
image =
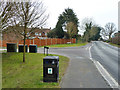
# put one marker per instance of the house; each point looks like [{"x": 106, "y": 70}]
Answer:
[
  {"x": 12, "y": 34},
  {"x": 40, "y": 33},
  {"x": 116, "y": 38},
  {"x": 117, "y": 34}
]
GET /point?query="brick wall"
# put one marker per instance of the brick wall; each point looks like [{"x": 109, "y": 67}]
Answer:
[{"x": 41, "y": 42}]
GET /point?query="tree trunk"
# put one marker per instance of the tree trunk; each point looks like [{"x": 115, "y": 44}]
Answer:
[
  {"x": 24, "y": 42},
  {"x": 110, "y": 37},
  {"x": 24, "y": 50}
]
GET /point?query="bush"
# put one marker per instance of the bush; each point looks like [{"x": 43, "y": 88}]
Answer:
[
  {"x": 116, "y": 40},
  {"x": 107, "y": 41}
]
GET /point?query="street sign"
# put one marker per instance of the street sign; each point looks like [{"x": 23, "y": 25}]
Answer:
[{"x": 50, "y": 71}]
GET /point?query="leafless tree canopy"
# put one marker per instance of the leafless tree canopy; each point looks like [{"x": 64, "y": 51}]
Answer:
[
  {"x": 108, "y": 30},
  {"x": 30, "y": 15},
  {"x": 6, "y": 14}
]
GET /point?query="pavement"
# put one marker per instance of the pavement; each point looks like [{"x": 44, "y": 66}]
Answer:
[{"x": 81, "y": 72}]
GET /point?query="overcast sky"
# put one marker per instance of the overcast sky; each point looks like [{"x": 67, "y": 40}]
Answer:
[{"x": 102, "y": 11}]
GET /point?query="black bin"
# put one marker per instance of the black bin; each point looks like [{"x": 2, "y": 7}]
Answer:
[
  {"x": 21, "y": 48},
  {"x": 50, "y": 69},
  {"x": 11, "y": 47},
  {"x": 33, "y": 48}
]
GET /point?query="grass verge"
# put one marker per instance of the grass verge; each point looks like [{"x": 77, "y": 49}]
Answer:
[
  {"x": 67, "y": 45},
  {"x": 16, "y": 74},
  {"x": 115, "y": 45}
]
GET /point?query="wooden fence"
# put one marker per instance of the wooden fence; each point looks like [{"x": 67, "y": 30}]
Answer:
[{"x": 41, "y": 42}]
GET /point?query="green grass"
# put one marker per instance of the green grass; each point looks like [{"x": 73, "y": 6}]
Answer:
[
  {"x": 115, "y": 45},
  {"x": 67, "y": 45},
  {"x": 3, "y": 47},
  {"x": 16, "y": 74}
]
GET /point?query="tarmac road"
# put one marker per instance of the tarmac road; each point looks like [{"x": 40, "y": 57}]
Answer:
[
  {"x": 81, "y": 72},
  {"x": 107, "y": 55}
]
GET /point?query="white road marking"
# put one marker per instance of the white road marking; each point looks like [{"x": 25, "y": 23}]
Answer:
[
  {"x": 90, "y": 52},
  {"x": 106, "y": 75},
  {"x": 87, "y": 48},
  {"x": 110, "y": 80}
]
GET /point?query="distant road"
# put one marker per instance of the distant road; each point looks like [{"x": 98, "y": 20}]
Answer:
[{"x": 107, "y": 55}]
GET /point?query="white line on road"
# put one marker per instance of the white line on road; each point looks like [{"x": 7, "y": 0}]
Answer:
[
  {"x": 90, "y": 53},
  {"x": 86, "y": 48},
  {"x": 106, "y": 75},
  {"x": 111, "y": 81}
]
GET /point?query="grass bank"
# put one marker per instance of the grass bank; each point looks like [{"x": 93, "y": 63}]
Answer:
[{"x": 16, "y": 74}]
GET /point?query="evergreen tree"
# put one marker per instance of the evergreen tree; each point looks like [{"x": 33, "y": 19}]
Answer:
[
  {"x": 70, "y": 16},
  {"x": 59, "y": 30},
  {"x": 64, "y": 19}
]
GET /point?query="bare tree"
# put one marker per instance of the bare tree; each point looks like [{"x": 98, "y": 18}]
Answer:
[
  {"x": 85, "y": 22},
  {"x": 6, "y": 15},
  {"x": 108, "y": 30},
  {"x": 28, "y": 17}
]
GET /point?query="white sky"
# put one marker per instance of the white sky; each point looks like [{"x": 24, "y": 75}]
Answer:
[{"x": 102, "y": 11}]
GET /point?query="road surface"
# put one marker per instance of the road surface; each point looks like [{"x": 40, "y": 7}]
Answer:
[
  {"x": 107, "y": 55},
  {"x": 81, "y": 72}
]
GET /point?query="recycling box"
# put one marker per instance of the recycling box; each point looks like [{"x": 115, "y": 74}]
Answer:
[
  {"x": 33, "y": 48},
  {"x": 50, "y": 69},
  {"x": 21, "y": 48},
  {"x": 11, "y": 47}
]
